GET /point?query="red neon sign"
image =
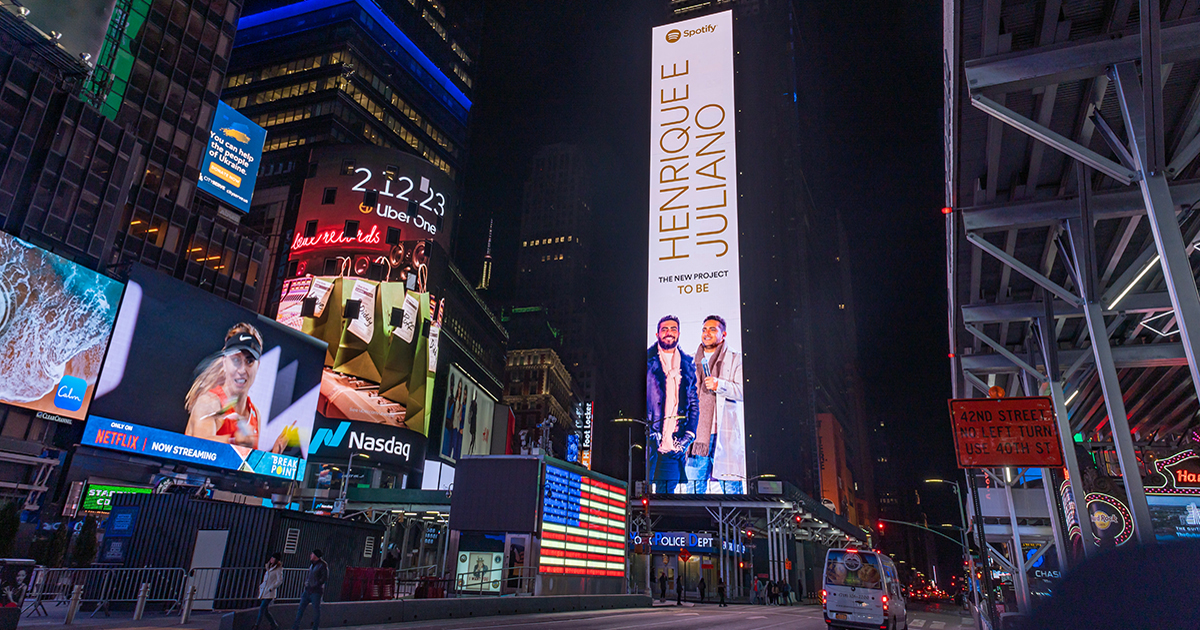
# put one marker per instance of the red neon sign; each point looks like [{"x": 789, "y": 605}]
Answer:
[{"x": 336, "y": 238}]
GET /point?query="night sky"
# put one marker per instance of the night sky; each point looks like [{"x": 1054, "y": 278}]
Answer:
[{"x": 579, "y": 72}]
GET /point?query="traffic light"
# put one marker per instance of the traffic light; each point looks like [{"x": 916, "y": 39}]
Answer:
[
  {"x": 749, "y": 534},
  {"x": 646, "y": 503},
  {"x": 881, "y": 527}
]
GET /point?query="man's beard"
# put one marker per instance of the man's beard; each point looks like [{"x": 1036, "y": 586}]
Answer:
[
  {"x": 712, "y": 346},
  {"x": 664, "y": 346}
]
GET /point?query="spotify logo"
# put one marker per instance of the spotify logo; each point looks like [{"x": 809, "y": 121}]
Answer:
[{"x": 673, "y": 35}]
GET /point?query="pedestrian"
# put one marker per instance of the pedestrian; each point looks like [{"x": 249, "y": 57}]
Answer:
[
  {"x": 787, "y": 593},
  {"x": 702, "y": 586},
  {"x": 754, "y": 594},
  {"x": 679, "y": 589},
  {"x": 773, "y": 592},
  {"x": 268, "y": 590},
  {"x": 314, "y": 588},
  {"x": 721, "y": 591},
  {"x": 662, "y": 586}
]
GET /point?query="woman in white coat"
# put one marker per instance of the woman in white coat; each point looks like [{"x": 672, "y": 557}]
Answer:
[{"x": 268, "y": 589}]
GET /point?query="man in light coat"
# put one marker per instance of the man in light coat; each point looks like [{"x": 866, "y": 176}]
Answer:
[{"x": 716, "y": 462}]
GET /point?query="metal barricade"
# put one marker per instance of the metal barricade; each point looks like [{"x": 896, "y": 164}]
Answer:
[
  {"x": 103, "y": 587},
  {"x": 504, "y": 580},
  {"x": 223, "y": 588}
]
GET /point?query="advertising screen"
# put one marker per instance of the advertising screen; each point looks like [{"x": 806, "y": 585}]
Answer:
[
  {"x": 98, "y": 497},
  {"x": 694, "y": 359},
  {"x": 583, "y": 525},
  {"x": 372, "y": 210},
  {"x": 192, "y": 378},
  {"x": 55, "y": 321},
  {"x": 467, "y": 429},
  {"x": 230, "y": 166}
]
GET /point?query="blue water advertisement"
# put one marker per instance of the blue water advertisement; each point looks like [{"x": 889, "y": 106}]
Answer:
[
  {"x": 133, "y": 438},
  {"x": 230, "y": 166}
]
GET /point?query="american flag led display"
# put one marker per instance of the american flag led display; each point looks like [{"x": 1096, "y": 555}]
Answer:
[{"x": 583, "y": 525}]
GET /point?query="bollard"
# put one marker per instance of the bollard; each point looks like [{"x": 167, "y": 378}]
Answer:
[
  {"x": 188, "y": 598},
  {"x": 76, "y": 602},
  {"x": 143, "y": 595}
]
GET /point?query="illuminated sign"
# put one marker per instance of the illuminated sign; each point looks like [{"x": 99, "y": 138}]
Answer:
[
  {"x": 693, "y": 251},
  {"x": 190, "y": 377},
  {"x": 695, "y": 542},
  {"x": 1006, "y": 432},
  {"x": 1112, "y": 524},
  {"x": 1177, "y": 474},
  {"x": 583, "y": 525},
  {"x": 230, "y": 166},
  {"x": 395, "y": 447},
  {"x": 98, "y": 498},
  {"x": 132, "y": 438}
]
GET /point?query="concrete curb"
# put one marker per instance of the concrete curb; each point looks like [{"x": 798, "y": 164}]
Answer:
[{"x": 346, "y": 614}]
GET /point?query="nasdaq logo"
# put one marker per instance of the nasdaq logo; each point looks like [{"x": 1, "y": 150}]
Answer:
[{"x": 325, "y": 436}]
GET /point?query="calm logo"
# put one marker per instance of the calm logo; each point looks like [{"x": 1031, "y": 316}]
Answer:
[{"x": 69, "y": 395}]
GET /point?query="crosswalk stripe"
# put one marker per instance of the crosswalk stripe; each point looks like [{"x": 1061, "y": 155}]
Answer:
[
  {"x": 937, "y": 625},
  {"x": 917, "y": 623}
]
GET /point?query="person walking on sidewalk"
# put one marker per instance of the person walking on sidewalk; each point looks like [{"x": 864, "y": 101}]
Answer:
[
  {"x": 314, "y": 588},
  {"x": 662, "y": 586},
  {"x": 721, "y": 591},
  {"x": 267, "y": 590},
  {"x": 679, "y": 589},
  {"x": 702, "y": 587}
]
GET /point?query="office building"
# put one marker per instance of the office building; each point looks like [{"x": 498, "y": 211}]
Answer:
[
  {"x": 553, "y": 261},
  {"x": 395, "y": 75}
]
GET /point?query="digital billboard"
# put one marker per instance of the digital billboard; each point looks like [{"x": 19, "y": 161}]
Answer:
[
  {"x": 230, "y": 165},
  {"x": 190, "y": 377},
  {"x": 98, "y": 497},
  {"x": 55, "y": 321},
  {"x": 694, "y": 400},
  {"x": 583, "y": 524},
  {"x": 369, "y": 212},
  {"x": 467, "y": 427}
]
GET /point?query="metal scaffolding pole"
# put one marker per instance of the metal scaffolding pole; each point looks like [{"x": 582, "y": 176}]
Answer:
[
  {"x": 1020, "y": 579},
  {"x": 1160, "y": 209},
  {"x": 1066, "y": 438}
]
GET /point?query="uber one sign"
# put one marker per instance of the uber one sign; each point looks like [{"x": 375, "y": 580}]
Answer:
[{"x": 338, "y": 439}]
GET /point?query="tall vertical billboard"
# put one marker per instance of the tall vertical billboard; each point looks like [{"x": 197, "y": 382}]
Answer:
[{"x": 694, "y": 361}]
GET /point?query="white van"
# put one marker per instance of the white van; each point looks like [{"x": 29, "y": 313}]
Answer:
[{"x": 861, "y": 589}]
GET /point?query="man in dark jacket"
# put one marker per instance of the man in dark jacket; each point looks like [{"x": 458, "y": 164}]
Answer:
[
  {"x": 672, "y": 407},
  {"x": 314, "y": 588},
  {"x": 662, "y": 586}
]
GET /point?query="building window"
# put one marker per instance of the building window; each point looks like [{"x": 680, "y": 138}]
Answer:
[{"x": 330, "y": 197}]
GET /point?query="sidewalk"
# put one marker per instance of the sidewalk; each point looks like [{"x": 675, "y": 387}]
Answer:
[{"x": 119, "y": 620}]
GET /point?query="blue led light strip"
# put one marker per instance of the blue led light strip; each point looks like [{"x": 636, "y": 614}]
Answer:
[{"x": 308, "y": 6}]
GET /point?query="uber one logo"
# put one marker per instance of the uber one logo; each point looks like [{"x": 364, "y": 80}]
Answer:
[{"x": 358, "y": 441}]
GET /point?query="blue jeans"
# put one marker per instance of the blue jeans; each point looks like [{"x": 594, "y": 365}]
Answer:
[
  {"x": 306, "y": 598},
  {"x": 666, "y": 469},
  {"x": 699, "y": 473},
  {"x": 264, "y": 606}
]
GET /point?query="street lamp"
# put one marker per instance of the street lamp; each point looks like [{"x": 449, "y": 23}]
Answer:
[
  {"x": 629, "y": 422},
  {"x": 962, "y": 514}
]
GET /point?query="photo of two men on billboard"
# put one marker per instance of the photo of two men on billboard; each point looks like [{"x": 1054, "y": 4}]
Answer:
[{"x": 696, "y": 442}]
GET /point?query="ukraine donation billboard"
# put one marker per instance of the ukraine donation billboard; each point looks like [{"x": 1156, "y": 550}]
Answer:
[
  {"x": 55, "y": 320},
  {"x": 694, "y": 362},
  {"x": 230, "y": 165},
  {"x": 190, "y": 377}
]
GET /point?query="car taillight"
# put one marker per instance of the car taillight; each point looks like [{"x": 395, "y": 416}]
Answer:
[
  {"x": 823, "y": 594},
  {"x": 885, "y": 603}
]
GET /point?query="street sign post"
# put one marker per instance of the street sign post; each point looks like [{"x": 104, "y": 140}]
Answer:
[{"x": 991, "y": 432}]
